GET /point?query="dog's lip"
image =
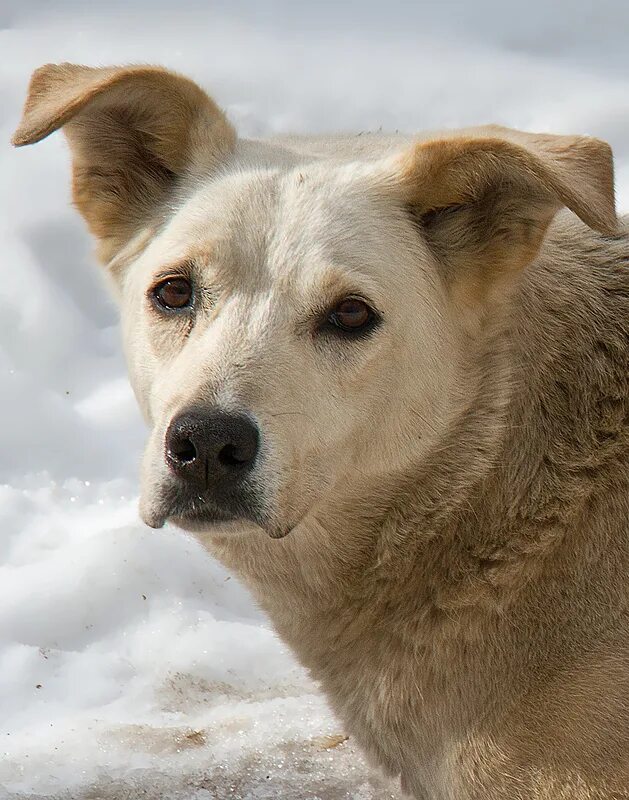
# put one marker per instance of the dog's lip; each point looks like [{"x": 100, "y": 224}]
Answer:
[
  {"x": 206, "y": 517},
  {"x": 156, "y": 517},
  {"x": 152, "y": 514},
  {"x": 167, "y": 502},
  {"x": 279, "y": 533}
]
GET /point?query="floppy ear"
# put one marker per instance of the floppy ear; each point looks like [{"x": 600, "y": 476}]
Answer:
[
  {"x": 485, "y": 198},
  {"x": 135, "y": 132}
]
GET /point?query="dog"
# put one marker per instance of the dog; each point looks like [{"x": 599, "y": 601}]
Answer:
[{"x": 386, "y": 379}]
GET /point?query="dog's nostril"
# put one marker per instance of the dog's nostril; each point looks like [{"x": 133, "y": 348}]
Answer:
[
  {"x": 233, "y": 456},
  {"x": 184, "y": 451}
]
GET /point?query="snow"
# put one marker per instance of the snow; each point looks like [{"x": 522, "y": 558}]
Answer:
[{"x": 131, "y": 664}]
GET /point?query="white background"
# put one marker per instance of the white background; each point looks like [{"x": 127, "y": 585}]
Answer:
[{"x": 131, "y": 665}]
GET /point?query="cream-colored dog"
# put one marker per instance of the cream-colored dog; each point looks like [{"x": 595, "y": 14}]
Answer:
[{"x": 388, "y": 385}]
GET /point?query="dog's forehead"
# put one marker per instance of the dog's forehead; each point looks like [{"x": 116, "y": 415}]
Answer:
[{"x": 280, "y": 226}]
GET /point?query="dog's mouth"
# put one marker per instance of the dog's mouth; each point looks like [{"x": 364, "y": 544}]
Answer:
[{"x": 200, "y": 513}]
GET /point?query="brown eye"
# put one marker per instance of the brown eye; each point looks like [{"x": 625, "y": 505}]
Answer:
[
  {"x": 173, "y": 293},
  {"x": 352, "y": 315}
]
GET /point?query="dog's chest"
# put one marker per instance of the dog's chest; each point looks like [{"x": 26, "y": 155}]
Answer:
[{"x": 385, "y": 699}]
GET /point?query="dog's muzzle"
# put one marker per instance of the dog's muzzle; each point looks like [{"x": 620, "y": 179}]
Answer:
[{"x": 211, "y": 454}]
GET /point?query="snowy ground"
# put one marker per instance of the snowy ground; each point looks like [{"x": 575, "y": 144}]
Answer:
[{"x": 131, "y": 665}]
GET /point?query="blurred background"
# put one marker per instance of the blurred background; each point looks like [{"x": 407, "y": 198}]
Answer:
[{"x": 131, "y": 665}]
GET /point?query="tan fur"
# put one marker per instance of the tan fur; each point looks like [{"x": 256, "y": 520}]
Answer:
[
  {"x": 452, "y": 184},
  {"x": 133, "y": 132},
  {"x": 452, "y": 493}
]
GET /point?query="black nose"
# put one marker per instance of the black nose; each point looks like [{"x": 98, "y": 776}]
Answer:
[{"x": 211, "y": 446}]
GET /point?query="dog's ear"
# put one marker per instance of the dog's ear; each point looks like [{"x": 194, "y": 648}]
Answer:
[
  {"x": 484, "y": 199},
  {"x": 135, "y": 132}
]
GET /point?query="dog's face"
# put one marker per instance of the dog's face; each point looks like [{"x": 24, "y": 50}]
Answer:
[
  {"x": 296, "y": 329},
  {"x": 270, "y": 339}
]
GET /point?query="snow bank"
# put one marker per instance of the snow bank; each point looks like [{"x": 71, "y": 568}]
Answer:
[{"x": 131, "y": 665}]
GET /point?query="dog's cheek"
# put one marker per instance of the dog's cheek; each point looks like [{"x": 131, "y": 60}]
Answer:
[
  {"x": 148, "y": 346},
  {"x": 141, "y": 365},
  {"x": 284, "y": 477}
]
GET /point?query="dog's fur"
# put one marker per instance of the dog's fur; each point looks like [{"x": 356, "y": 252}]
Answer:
[{"x": 453, "y": 489}]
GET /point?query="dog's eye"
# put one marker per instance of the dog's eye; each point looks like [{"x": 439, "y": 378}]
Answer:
[
  {"x": 352, "y": 315},
  {"x": 173, "y": 293}
]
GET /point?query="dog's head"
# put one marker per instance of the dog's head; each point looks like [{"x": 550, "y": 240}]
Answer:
[{"x": 296, "y": 327}]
